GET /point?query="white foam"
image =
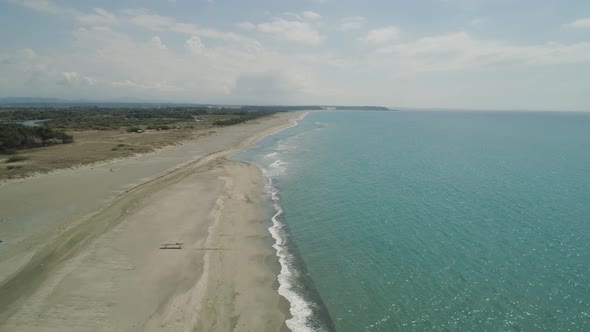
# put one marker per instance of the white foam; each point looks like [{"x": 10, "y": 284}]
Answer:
[
  {"x": 286, "y": 145},
  {"x": 277, "y": 164},
  {"x": 270, "y": 155},
  {"x": 289, "y": 144},
  {"x": 278, "y": 167},
  {"x": 300, "y": 309}
]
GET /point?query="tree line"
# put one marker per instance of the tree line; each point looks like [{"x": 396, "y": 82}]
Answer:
[
  {"x": 241, "y": 117},
  {"x": 109, "y": 118},
  {"x": 16, "y": 136}
]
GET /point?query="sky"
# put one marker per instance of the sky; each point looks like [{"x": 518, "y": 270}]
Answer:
[{"x": 469, "y": 54}]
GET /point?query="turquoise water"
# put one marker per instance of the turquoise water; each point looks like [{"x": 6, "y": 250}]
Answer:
[{"x": 432, "y": 221}]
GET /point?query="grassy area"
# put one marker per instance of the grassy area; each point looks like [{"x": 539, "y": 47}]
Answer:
[
  {"x": 100, "y": 133},
  {"x": 91, "y": 146}
]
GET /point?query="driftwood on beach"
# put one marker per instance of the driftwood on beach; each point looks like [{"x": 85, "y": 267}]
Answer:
[{"x": 176, "y": 245}]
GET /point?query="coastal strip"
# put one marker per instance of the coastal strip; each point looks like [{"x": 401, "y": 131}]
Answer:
[
  {"x": 105, "y": 271},
  {"x": 305, "y": 310}
]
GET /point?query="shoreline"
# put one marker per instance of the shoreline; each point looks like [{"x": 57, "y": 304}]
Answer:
[
  {"x": 305, "y": 312},
  {"x": 290, "y": 308},
  {"x": 121, "y": 240}
]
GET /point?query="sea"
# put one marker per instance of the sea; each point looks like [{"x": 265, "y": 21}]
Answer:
[{"x": 431, "y": 220}]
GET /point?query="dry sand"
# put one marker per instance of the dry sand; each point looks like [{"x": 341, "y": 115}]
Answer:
[{"x": 81, "y": 247}]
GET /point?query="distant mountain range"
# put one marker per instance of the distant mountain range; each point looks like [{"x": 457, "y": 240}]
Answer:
[
  {"x": 32, "y": 100},
  {"x": 44, "y": 100},
  {"x": 125, "y": 102}
]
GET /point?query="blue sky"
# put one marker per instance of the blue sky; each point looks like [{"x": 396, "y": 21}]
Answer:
[{"x": 481, "y": 54}]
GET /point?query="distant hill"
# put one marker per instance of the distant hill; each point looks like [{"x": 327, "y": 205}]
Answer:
[
  {"x": 50, "y": 101},
  {"x": 135, "y": 102},
  {"x": 31, "y": 100},
  {"x": 315, "y": 107},
  {"x": 362, "y": 108}
]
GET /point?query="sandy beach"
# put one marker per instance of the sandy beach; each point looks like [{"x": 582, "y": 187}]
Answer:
[{"x": 81, "y": 247}]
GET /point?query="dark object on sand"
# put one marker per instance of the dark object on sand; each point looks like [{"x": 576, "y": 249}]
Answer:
[{"x": 176, "y": 245}]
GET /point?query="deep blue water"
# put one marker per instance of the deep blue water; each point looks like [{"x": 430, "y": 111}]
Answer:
[{"x": 433, "y": 221}]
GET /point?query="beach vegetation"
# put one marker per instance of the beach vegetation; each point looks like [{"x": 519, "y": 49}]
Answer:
[
  {"x": 16, "y": 158},
  {"x": 93, "y": 117},
  {"x": 134, "y": 129},
  {"x": 241, "y": 118},
  {"x": 50, "y": 122},
  {"x": 16, "y": 136},
  {"x": 158, "y": 127}
]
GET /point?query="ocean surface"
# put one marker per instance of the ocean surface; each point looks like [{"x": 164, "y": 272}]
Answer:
[{"x": 432, "y": 221}]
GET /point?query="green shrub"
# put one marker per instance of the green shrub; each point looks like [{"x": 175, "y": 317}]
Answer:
[
  {"x": 16, "y": 158},
  {"x": 241, "y": 118},
  {"x": 16, "y": 136},
  {"x": 157, "y": 127}
]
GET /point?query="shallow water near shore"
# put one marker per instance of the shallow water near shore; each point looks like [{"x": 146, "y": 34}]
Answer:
[{"x": 471, "y": 221}]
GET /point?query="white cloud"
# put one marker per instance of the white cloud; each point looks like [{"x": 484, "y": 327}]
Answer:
[
  {"x": 381, "y": 35},
  {"x": 352, "y": 23},
  {"x": 128, "y": 66},
  {"x": 125, "y": 84},
  {"x": 150, "y": 21},
  {"x": 160, "y": 86},
  {"x": 29, "y": 53},
  {"x": 246, "y": 25},
  {"x": 234, "y": 68},
  {"x": 461, "y": 51},
  {"x": 154, "y": 22},
  {"x": 478, "y": 21},
  {"x": 140, "y": 17},
  {"x": 296, "y": 31},
  {"x": 89, "y": 81},
  {"x": 134, "y": 69},
  {"x": 157, "y": 43},
  {"x": 194, "y": 45},
  {"x": 73, "y": 78},
  {"x": 212, "y": 33},
  {"x": 39, "y": 5},
  {"x": 98, "y": 17},
  {"x": 308, "y": 14},
  {"x": 582, "y": 23}
]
